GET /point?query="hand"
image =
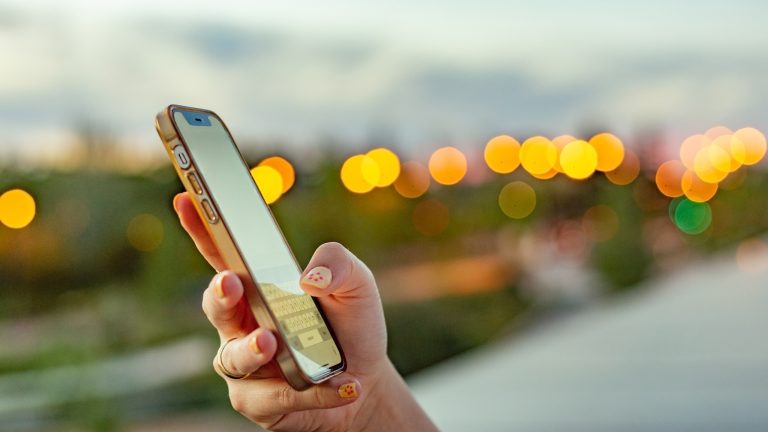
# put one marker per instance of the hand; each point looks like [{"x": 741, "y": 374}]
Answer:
[{"x": 370, "y": 394}]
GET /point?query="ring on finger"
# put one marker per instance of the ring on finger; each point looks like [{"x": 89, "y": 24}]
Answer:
[{"x": 222, "y": 368}]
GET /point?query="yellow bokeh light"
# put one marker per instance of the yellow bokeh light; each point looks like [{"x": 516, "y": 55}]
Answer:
[
  {"x": 353, "y": 177},
  {"x": 283, "y": 167},
  {"x": 754, "y": 145},
  {"x": 269, "y": 181},
  {"x": 538, "y": 155},
  {"x": 517, "y": 200},
  {"x": 560, "y": 142},
  {"x": 502, "y": 154},
  {"x": 448, "y": 165},
  {"x": 413, "y": 180},
  {"x": 627, "y": 172},
  {"x": 17, "y": 208},
  {"x": 728, "y": 153},
  {"x": 690, "y": 148},
  {"x": 706, "y": 170},
  {"x": 145, "y": 232},
  {"x": 610, "y": 151},
  {"x": 578, "y": 159},
  {"x": 669, "y": 178},
  {"x": 388, "y": 165},
  {"x": 697, "y": 190}
]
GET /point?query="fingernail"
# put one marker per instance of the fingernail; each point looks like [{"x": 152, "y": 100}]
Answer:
[
  {"x": 318, "y": 277},
  {"x": 253, "y": 344},
  {"x": 348, "y": 390},
  {"x": 218, "y": 286},
  {"x": 176, "y": 202}
]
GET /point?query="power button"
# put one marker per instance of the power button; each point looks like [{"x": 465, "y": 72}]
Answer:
[{"x": 182, "y": 157}]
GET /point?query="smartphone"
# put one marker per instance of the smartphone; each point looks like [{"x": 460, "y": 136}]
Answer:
[{"x": 250, "y": 242}]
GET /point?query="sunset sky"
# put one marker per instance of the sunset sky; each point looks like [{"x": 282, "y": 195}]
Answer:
[{"x": 414, "y": 74}]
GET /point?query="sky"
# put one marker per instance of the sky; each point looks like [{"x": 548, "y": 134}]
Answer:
[{"x": 414, "y": 75}]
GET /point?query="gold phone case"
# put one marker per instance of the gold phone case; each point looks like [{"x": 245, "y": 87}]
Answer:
[{"x": 194, "y": 183}]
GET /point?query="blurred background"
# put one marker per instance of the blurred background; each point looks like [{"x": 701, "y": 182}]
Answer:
[{"x": 564, "y": 203}]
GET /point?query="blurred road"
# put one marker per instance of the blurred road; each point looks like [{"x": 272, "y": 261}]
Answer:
[{"x": 689, "y": 353}]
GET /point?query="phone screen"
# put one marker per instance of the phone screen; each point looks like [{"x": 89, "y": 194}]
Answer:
[{"x": 258, "y": 238}]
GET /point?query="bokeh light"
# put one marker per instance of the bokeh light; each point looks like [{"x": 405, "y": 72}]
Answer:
[
  {"x": 17, "y": 208},
  {"x": 696, "y": 189},
  {"x": 413, "y": 180},
  {"x": 627, "y": 171},
  {"x": 353, "y": 174},
  {"x": 610, "y": 151},
  {"x": 448, "y": 165},
  {"x": 538, "y": 155},
  {"x": 517, "y": 200},
  {"x": 388, "y": 165},
  {"x": 600, "y": 222},
  {"x": 145, "y": 232},
  {"x": 560, "y": 142},
  {"x": 754, "y": 145},
  {"x": 691, "y": 147},
  {"x": 729, "y": 155},
  {"x": 578, "y": 160},
  {"x": 282, "y": 166},
  {"x": 712, "y": 164},
  {"x": 269, "y": 181},
  {"x": 669, "y": 178},
  {"x": 546, "y": 176},
  {"x": 717, "y": 131},
  {"x": 502, "y": 154},
  {"x": 431, "y": 217},
  {"x": 692, "y": 217}
]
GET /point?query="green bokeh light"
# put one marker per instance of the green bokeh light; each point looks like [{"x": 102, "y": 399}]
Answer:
[{"x": 691, "y": 217}]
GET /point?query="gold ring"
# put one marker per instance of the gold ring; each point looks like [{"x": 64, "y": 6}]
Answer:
[{"x": 223, "y": 368}]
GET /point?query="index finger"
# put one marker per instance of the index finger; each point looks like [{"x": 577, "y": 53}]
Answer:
[{"x": 195, "y": 227}]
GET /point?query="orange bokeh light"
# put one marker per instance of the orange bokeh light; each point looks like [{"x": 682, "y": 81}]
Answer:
[
  {"x": 284, "y": 168},
  {"x": 627, "y": 172},
  {"x": 448, "y": 165},
  {"x": 697, "y": 190},
  {"x": 502, "y": 154},
  {"x": 669, "y": 178},
  {"x": 413, "y": 180},
  {"x": 610, "y": 151},
  {"x": 538, "y": 155}
]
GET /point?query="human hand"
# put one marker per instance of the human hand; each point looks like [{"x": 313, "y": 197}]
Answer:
[{"x": 350, "y": 300}]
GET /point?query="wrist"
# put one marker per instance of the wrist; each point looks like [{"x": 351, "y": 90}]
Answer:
[{"x": 388, "y": 404}]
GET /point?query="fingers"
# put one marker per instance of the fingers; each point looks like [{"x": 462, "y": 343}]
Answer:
[
  {"x": 334, "y": 270},
  {"x": 226, "y": 307},
  {"x": 263, "y": 399},
  {"x": 195, "y": 227},
  {"x": 247, "y": 355}
]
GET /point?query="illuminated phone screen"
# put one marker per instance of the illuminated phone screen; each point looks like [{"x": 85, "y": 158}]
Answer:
[{"x": 257, "y": 236}]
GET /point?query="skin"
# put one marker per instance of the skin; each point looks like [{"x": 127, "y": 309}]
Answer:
[{"x": 352, "y": 305}]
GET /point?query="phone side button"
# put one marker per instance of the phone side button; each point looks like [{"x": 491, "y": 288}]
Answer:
[
  {"x": 210, "y": 213},
  {"x": 195, "y": 183},
  {"x": 181, "y": 157}
]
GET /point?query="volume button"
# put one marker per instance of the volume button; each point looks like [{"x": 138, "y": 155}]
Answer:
[
  {"x": 195, "y": 183},
  {"x": 210, "y": 213}
]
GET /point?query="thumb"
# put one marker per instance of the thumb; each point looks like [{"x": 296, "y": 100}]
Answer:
[{"x": 333, "y": 270}]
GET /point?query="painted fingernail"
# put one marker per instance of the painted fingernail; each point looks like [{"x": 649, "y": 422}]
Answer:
[
  {"x": 218, "y": 286},
  {"x": 348, "y": 390},
  {"x": 318, "y": 277},
  {"x": 253, "y": 344},
  {"x": 176, "y": 202}
]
